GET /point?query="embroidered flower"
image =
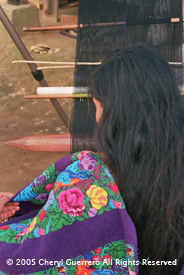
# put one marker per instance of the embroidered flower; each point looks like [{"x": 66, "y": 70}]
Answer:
[
  {"x": 98, "y": 250},
  {"x": 96, "y": 258},
  {"x": 39, "y": 180},
  {"x": 114, "y": 187},
  {"x": 42, "y": 215},
  {"x": 4, "y": 227},
  {"x": 107, "y": 258},
  {"x": 92, "y": 212},
  {"x": 115, "y": 204},
  {"x": 71, "y": 202},
  {"x": 130, "y": 251},
  {"x": 84, "y": 268},
  {"x": 98, "y": 196},
  {"x": 49, "y": 187},
  {"x": 130, "y": 272},
  {"x": 42, "y": 197},
  {"x": 88, "y": 256},
  {"x": 38, "y": 232},
  {"x": 87, "y": 163},
  {"x": 32, "y": 225},
  {"x": 62, "y": 269},
  {"x": 83, "y": 154}
]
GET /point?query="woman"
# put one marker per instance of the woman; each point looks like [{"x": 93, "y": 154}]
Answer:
[
  {"x": 141, "y": 131},
  {"x": 75, "y": 211}
]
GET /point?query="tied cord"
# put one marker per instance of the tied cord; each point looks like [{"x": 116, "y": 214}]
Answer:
[{"x": 38, "y": 75}]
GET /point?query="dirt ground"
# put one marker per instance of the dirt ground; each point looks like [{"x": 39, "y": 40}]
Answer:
[{"x": 22, "y": 117}]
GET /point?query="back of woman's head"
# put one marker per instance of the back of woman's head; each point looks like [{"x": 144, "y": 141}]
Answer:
[{"x": 141, "y": 133}]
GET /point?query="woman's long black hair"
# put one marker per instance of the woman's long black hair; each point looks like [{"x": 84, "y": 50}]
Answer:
[{"x": 141, "y": 132}]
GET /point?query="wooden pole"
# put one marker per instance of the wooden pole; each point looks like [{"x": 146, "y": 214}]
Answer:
[
  {"x": 33, "y": 67},
  {"x": 106, "y": 24}
]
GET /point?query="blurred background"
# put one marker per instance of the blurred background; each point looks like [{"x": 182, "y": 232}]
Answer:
[{"x": 22, "y": 117}]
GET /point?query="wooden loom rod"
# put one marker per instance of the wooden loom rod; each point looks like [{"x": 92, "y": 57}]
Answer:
[
  {"x": 106, "y": 24},
  {"x": 56, "y": 62},
  {"x": 56, "y": 96},
  {"x": 47, "y": 143},
  {"x": 33, "y": 67},
  {"x": 71, "y": 63}
]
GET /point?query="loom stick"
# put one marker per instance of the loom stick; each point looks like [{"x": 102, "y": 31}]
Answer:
[
  {"x": 106, "y": 24},
  {"x": 55, "y": 67},
  {"x": 61, "y": 90},
  {"x": 56, "y": 62},
  {"x": 47, "y": 96},
  {"x": 72, "y": 63},
  {"x": 46, "y": 143},
  {"x": 33, "y": 67}
]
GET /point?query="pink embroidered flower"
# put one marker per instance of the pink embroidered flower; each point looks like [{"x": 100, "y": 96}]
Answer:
[
  {"x": 114, "y": 187},
  {"x": 71, "y": 202},
  {"x": 130, "y": 272},
  {"x": 92, "y": 212},
  {"x": 118, "y": 204},
  {"x": 87, "y": 163}
]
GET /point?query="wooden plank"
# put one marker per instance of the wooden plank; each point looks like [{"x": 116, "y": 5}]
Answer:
[
  {"x": 43, "y": 143},
  {"x": 69, "y": 19}
]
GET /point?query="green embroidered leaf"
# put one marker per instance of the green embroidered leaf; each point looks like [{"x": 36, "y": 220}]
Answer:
[
  {"x": 9, "y": 237},
  {"x": 56, "y": 224},
  {"x": 30, "y": 236},
  {"x": 79, "y": 218},
  {"x": 54, "y": 211},
  {"x": 100, "y": 212},
  {"x": 44, "y": 223},
  {"x": 85, "y": 215},
  {"x": 118, "y": 250},
  {"x": 105, "y": 180},
  {"x": 131, "y": 265},
  {"x": 109, "y": 192},
  {"x": 67, "y": 220},
  {"x": 108, "y": 208},
  {"x": 87, "y": 199}
]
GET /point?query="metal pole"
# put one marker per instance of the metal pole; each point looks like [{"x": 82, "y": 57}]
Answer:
[{"x": 33, "y": 67}]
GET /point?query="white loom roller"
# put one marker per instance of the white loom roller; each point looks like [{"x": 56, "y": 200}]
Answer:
[{"x": 61, "y": 90}]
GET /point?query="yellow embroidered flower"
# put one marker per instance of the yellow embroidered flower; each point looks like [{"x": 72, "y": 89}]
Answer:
[
  {"x": 98, "y": 196},
  {"x": 31, "y": 226}
]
